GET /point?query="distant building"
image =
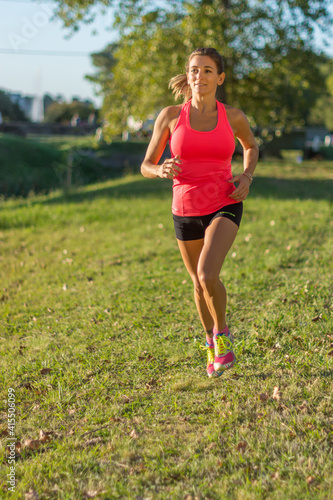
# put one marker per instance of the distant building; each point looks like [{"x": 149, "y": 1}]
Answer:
[
  {"x": 34, "y": 107},
  {"x": 25, "y": 103}
]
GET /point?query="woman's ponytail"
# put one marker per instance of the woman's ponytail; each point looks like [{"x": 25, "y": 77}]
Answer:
[{"x": 179, "y": 86}]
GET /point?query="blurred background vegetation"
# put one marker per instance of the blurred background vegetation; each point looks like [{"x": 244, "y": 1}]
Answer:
[{"x": 275, "y": 73}]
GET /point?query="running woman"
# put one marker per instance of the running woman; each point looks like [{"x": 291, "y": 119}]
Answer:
[{"x": 207, "y": 206}]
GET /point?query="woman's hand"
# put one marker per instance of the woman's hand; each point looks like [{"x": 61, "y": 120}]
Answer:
[
  {"x": 170, "y": 168},
  {"x": 242, "y": 189}
]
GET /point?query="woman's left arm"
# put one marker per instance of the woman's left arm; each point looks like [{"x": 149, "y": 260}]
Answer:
[{"x": 243, "y": 132}]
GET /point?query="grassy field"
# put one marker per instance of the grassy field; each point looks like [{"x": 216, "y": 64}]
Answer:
[
  {"x": 100, "y": 341},
  {"x": 40, "y": 163}
]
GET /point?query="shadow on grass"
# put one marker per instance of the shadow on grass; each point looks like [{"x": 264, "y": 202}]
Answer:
[
  {"x": 283, "y": 189},
  {"x": 132, "y": 188},
  {"x": 263, "y": 187},
  {"x": 267, "y": 375},
  {"x": 138, "y": 187},
  {"x": 129, "y": 189}
]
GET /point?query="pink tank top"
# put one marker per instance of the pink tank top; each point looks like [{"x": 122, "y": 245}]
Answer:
[{"x": 202, "y": 187}]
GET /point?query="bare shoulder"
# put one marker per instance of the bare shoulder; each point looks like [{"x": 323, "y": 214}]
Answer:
[
  {"x": 236, "y": 117},
  {"x": 163, "y": 128},
  {"x": 174, "y": 110},
  {"x": 234, "y": 113},
  {"x": 167, "y": 115}
]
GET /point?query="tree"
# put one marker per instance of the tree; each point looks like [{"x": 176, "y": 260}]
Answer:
[
  {"x": 47, "y": 101},
  {"x": 105, "y": 62},
  {"x": 75, "y": 12},
  {"x": 268, "y": 46},
  {"x": 10, "y": 111},
  {"x": 322, "y": 112},
  {"x": 63, "y": 112}
]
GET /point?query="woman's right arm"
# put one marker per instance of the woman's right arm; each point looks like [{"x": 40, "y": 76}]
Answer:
[{"x": 170, "y": 168}]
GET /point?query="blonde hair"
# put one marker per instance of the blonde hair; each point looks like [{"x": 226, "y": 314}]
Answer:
[{"x": 179, "y": 85}]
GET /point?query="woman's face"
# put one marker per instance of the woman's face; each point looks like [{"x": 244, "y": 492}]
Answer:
[{"x": 202, "y": 76}]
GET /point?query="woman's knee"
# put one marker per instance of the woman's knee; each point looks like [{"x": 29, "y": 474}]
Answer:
[
  {"x": 196, "y": 284},
  {"x": 208, "y": 281}
]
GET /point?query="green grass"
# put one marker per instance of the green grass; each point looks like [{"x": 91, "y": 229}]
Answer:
[
  {"x": 93, "y": 288},
  {"x": 39, "y": 163},
  {"x": 85, "y": 141}
]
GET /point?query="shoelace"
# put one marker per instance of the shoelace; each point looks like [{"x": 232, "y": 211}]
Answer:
[
  {"x": 224, "y": 345},
  {"x": 210, "y": 352}
]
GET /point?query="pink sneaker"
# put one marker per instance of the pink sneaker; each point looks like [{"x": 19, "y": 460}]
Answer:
[
  {"x": 224, "y": 355},
  {"x": 210, "y": 360}
]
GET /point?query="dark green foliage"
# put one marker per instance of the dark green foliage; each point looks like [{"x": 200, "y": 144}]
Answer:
[
  {"x": 10, "y": 111},
  {"x": 31, "y": 165}
]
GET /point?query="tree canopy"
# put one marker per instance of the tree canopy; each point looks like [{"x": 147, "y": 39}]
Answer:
[
  {"x": 322, "y": 112},
  {"x": 63, "y": 112},
  {"x": 268, "y": 47}
]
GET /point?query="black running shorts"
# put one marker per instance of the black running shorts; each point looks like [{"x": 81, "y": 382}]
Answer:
[{"x": 193, "y": 228}]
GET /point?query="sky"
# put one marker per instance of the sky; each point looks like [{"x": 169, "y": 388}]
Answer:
[{"x": 26, "y": 25}]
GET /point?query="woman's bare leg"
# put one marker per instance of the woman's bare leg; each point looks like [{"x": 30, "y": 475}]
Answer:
[
  {"x": 218, "y": 240},
  {"x": 203, "y": 260},
  {"x": 190, "y": 251}
]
